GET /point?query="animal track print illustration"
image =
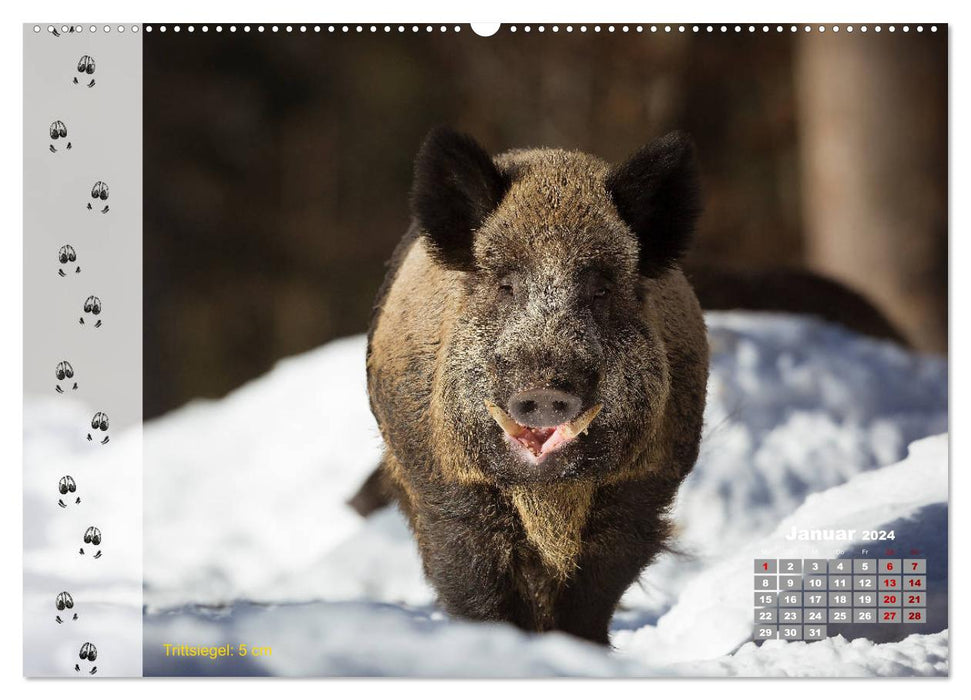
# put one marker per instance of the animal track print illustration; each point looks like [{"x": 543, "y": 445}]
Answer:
[
  {"x": 89, "y": 652},
  {"x": 85, "y": 67},
  {"x": 64, "y": 371},
  {"x": 63, "y": 602},
  {"x": 99, "y": 422},
  {"x": 66, "y": 486},
  {"x": 92, "y": 305},
  {"x": 99, "y": 192},
  {"x": 67, "y": 255},
  {"x": 92, "y": 536},
  {"x": 58, "y": 131}
]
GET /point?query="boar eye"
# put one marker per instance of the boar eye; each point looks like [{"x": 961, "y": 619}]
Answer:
[
  {"x": 508, "y": 286},
  {"x": 597, "y": 285}
]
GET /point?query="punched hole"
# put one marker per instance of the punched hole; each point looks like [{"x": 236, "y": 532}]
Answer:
[{"x": 485, "y": 29}]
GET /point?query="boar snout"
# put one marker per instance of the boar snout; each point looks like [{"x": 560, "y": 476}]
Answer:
[{"x": 544, "y": 408}]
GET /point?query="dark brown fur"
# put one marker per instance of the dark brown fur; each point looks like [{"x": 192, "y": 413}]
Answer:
[{"x": 547, "y": 268}]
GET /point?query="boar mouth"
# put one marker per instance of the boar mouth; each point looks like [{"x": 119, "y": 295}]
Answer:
[{"x": 541, "y": 441}]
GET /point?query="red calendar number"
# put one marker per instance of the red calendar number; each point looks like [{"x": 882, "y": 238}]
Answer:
[
  {"x": 889, "y": 599},
  {"x": 765, "y": 566},
  {"x": 913, "y": 615},
  {"x": 890, "y": 615},
  {"x": 914, "y": 599},
  {"x": 913, "y": 566},
  {"x": 890, "y": 583},
  {"x": 915, "y": 583}
]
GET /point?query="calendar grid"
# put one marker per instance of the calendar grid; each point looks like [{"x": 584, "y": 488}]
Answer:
[{"x": 799, "y": 599}]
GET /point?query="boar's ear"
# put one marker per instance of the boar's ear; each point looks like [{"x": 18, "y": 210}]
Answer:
[
  {"x": 456, "y": 187},
  {"x": 656, "y": 193}
]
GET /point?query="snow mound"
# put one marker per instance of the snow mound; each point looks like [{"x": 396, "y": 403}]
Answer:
[
  {"x": 917, "y": 655},
  {"x": 713, "y": 613}
]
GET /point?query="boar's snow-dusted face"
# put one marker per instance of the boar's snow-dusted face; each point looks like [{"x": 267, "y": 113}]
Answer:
[{"x": 553, "y": 370}]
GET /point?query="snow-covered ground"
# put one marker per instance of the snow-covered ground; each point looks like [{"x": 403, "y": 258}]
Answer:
[{"x": 247, "y": 538}]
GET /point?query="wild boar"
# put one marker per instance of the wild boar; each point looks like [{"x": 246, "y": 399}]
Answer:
[{"x": 537, "y": 363}]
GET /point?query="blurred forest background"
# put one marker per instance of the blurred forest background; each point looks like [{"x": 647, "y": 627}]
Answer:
[{"x": 277, "y": 166}]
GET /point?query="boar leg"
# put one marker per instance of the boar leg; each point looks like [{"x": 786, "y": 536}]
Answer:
[
  {"x": 587, "y": 602},
  {"x": 471, "y": 547},
  {"x": 373, "y": 494},
  {"x": 626, "y": 531}
]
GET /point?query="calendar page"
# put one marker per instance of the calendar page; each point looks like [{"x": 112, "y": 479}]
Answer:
[{"x": 611, "y": 349}]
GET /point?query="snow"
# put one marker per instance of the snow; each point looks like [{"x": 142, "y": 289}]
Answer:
[
  {"x": 247, "y": 537},
  {"x": 713, "y": 614},
  {"x": 917, "y": 655},
  {"x": 108, "y": 591}
]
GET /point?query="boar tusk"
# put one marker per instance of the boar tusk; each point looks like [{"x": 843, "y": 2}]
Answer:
[
  {"x": 579, "y": 425},
  {"x": 509, "y": 426}
]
